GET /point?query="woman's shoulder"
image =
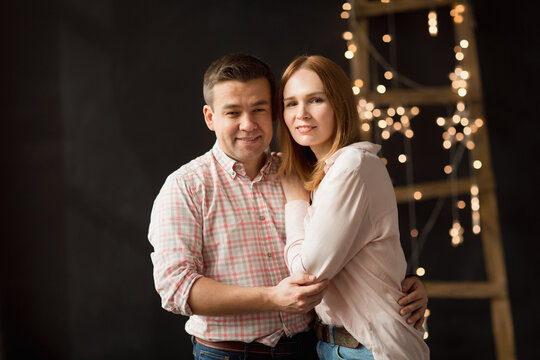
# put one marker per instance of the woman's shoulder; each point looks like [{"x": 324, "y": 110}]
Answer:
[{"x": 355, "y": 156}]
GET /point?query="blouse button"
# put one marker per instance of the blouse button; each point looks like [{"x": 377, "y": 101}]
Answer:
[{"x": 261, "y": 217}]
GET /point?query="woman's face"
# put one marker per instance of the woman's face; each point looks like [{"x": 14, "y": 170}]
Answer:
[{"x": 307, "y": 112}]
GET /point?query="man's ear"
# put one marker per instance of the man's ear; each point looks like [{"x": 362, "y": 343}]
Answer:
[{"x": 208, "y": 116}]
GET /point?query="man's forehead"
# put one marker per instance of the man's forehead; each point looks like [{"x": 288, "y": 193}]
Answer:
[{"x": 255, "y": 92}]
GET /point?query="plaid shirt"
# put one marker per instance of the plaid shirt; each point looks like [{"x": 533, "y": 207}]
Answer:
[{"x": 211, "y": 220}]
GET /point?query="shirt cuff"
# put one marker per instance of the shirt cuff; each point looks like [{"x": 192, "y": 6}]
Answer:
[{"x": 295, "y": 213}]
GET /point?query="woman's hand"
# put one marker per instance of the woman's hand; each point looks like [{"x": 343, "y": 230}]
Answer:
[{"x": 293, "y": 187}]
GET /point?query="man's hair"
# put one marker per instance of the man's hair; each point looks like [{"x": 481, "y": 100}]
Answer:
[
  {"x": 239, "y": 67},
  {"x": 337, "y": 87}
]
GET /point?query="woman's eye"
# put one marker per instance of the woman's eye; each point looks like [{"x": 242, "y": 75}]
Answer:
[
  {"x": 290, "y": 104},
  {"x": 317, "y": 100}
]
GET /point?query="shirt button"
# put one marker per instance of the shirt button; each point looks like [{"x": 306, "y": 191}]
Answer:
[
  {"x": 261, "y": 217},
  {"x": 269, "y": 254}
]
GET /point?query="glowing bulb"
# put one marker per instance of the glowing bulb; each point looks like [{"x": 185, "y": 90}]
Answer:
[
  {"x": 402, "y": 158},
  {"x": 366, "y": 127},
  {"x": 415, "y": 110},
  {"x": 352, "y": 48},
  {"x": 464, "y": 122},
  {"x": 448, "y": 169},
  {"x": 420, "y": 271},
  {"x": 400, "y": 110},
  {"x": 477, "y": 164},
  {"x": 447, "y": 144},
  {"x": 478, "y": 122},
  {"x": 464, "y": 43},
  {"x": 388, "y": 75},
  {"x": 470, "y": 145},
  {"x": 461, "y": 204},
  {"x": 382, "y": 124},
  {"x": 459, "y": 136},
  {"x": 459, "y": 56},
  {"x": 441, "y": 121},
  {"x": 385, "y": 134},
  {"x": 409, "y": 133},
  {"x": 462, "y": 92},
  {"x": 474, "y": 190},
  {"x": 377, "y": 112},
  {"x": 349, "y": 54},
  {"x": 347, "y": 6},
  {"x": 476, "y": 229},
  {"x": 381, "y": 89},
  {"x": 345, "y": 15},
  {"x": 456, "y": 119},
  {"x": 387, "y": 38},
  {"x": 404, "y": 119},
  {"x": 384, "y": 161},
  {"x": 391, "y": 111},
  {"x": 347, "y": 35},
  {"x": 414, "y": 233},
  {"x": 358, "y": 83},
  {"x": 460, "y": 106},
  {"x": 417, "y": 195},
  {"x": 356, "y": 90},
  {"x": 390, "y": 121},
  {"x": 452, "y": 130}
]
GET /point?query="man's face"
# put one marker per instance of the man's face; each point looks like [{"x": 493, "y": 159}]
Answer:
[{"x": 241, "y": 117}]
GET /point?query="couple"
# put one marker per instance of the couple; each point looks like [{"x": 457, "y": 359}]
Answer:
[{"x": 247, "y": 242}]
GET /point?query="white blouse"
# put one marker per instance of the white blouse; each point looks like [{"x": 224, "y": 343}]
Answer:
[{"x": 350, "y": 234}]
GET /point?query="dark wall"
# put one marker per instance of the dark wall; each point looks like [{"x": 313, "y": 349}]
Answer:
[{"x": 103, "y": 99}]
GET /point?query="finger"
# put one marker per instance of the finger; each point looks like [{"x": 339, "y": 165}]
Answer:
[
  {"x": 314, "y": 289},
  {"x": 302, "y": 279},
  {"x": 409, "y": 298},
  {"x": 411, "y": 307},
  {"x": 419, "y": 323},
  {"x": 407, "y": 284},
  {"x": 416, "y": 316}
]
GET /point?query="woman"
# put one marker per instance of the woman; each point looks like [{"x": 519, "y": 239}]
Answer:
[{"x": 346, "y": 230}]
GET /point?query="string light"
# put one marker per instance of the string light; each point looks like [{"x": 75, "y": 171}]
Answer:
[{"x": 432, "y": 23}]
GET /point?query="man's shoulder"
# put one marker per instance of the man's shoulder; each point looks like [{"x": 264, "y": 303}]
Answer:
[{"x": 196, "y": 168}]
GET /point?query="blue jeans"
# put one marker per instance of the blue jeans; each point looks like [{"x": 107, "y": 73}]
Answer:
[
  {"x": 330, "y": 351},
  {"x": 201, "y": 352}
]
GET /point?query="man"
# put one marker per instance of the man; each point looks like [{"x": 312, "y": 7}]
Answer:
[{"x": 218, "y": 231}]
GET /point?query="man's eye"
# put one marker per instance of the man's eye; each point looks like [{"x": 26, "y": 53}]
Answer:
[
  {"x": 232, "y": 113},
  {"x": 259, "y": 110}
]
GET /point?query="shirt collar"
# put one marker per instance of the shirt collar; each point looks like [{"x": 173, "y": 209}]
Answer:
[
  {"x": 234, "y": 168},
  {"x": 363, "y": 145}
]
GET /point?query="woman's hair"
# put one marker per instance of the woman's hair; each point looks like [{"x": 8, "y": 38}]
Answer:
[{"x": 337, "y": 87}]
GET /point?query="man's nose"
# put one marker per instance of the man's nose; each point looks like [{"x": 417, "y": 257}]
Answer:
[{"x": 247, "y": 122}]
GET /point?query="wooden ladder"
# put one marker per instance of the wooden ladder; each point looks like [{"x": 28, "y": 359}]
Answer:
[{"x": 495, "y": 288}]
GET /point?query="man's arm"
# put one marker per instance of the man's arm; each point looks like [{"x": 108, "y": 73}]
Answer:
[
  {"x": 294, "y": 294},
  {"x": 415, "y": 302}
]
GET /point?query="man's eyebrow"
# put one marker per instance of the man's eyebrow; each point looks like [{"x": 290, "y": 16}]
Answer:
[
  {"x": 307, "y": 95},
  {"x": 259, "y": 103}
]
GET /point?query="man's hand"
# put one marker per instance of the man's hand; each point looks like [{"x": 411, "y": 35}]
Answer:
[
  {"x": 297, "y": 293},
  {"x": 293, "y": 188},
  {"x": 415, "y": 302}
]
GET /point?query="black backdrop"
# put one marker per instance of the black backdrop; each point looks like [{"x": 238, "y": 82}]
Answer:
[{"x": 101, "y": 100}]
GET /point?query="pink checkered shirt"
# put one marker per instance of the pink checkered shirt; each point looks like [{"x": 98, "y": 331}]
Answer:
[{"x": 211, "y": 220}]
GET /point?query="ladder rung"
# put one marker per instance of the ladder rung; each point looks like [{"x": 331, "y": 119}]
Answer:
[
  {"x": 365, "y": 9},
  {"x": 434, "y": 189},
  {"x": 424, "y": 96},
  {"x": 465, "y": 289}
]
